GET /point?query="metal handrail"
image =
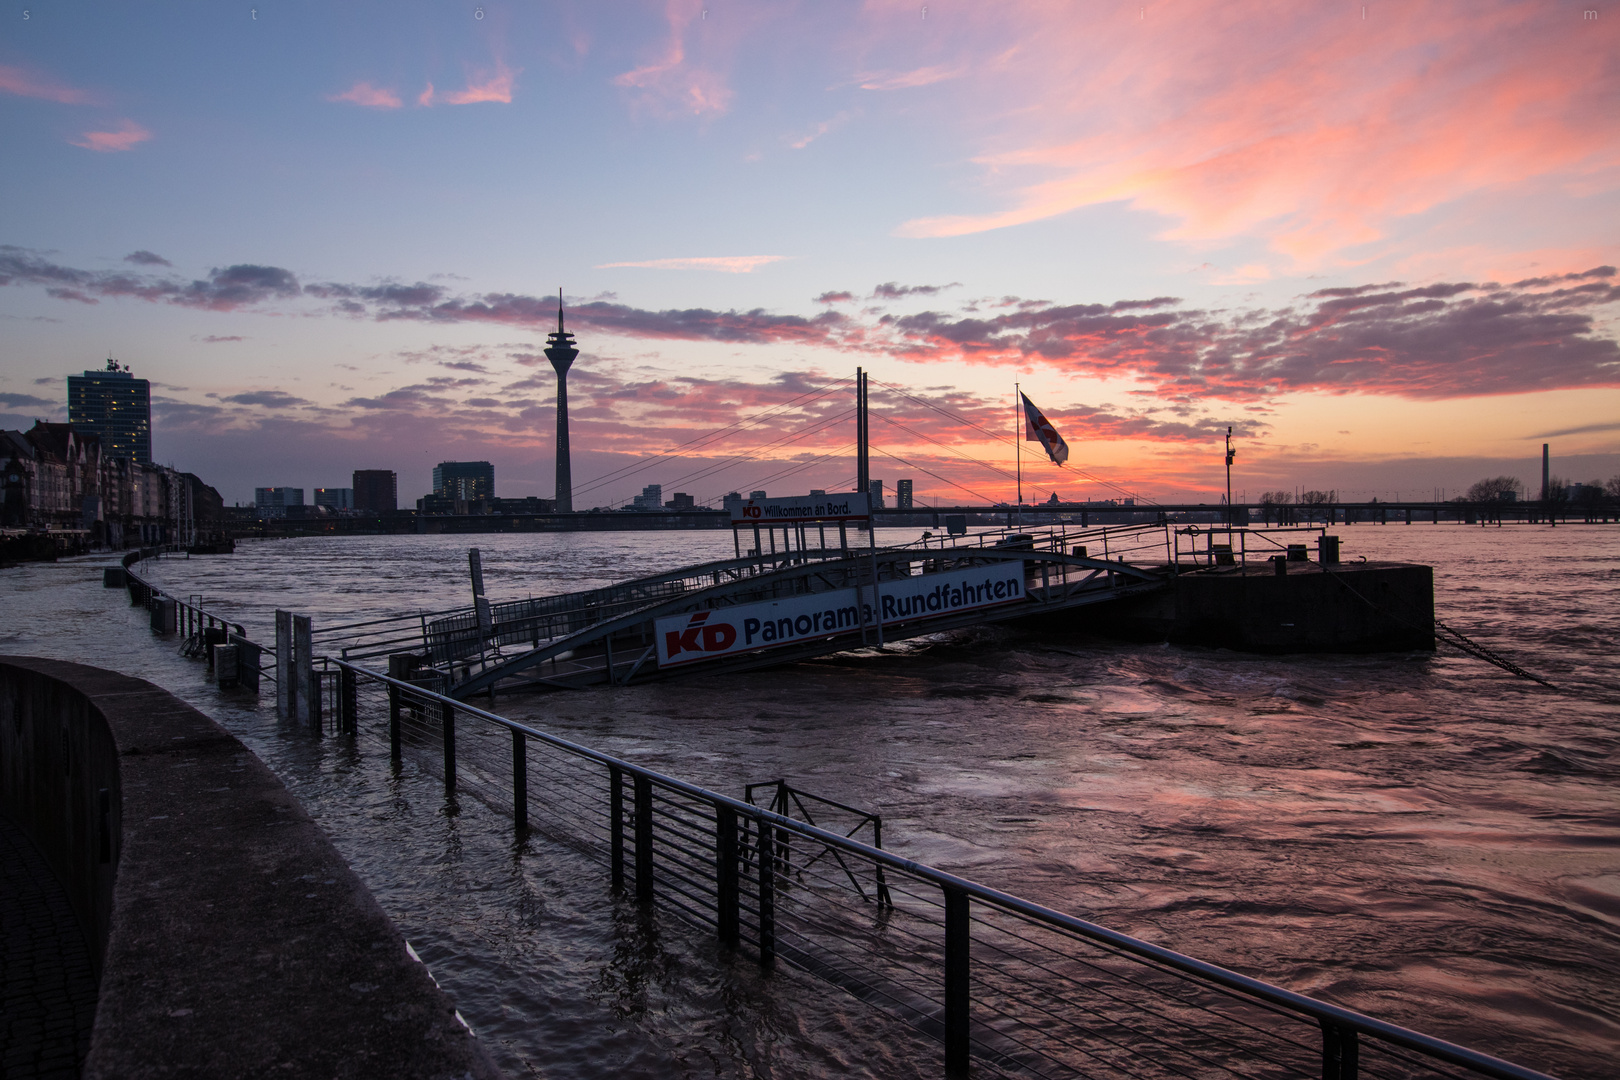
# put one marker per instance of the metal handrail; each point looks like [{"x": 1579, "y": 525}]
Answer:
[{"x": 1323, "y": 1012}]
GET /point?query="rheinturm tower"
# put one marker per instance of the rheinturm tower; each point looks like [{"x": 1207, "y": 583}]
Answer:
[{"x": 561, "y": 352}]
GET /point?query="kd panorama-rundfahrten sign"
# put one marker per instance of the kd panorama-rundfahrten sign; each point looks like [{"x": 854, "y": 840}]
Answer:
[
  {"x": 836, "y": 506},
  {"x": 712, "y": 634}
]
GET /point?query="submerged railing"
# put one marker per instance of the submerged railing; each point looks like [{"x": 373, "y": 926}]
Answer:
[{"x": 1005, "y": 986}]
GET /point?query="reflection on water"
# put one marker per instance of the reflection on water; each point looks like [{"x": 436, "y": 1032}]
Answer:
[{"x": 1421, "y": 837}]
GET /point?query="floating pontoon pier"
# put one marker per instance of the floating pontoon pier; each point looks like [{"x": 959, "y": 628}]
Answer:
[{"x": 793, "y": 595}]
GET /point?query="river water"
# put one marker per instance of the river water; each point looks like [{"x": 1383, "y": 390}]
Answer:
[{"x": 1421, "y": 837}]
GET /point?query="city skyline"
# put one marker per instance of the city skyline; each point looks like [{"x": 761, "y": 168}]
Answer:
[{"x": 1380, "y": 247}]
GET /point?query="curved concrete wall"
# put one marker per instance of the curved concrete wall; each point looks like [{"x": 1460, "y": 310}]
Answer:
[{"x": 231, "y": 937}]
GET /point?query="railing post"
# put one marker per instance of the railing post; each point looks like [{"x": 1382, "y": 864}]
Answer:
[
  {"x": 401, "y": 667},
  {"x": 302, "y": 691},
  {"x": 644, "y": 839},
  {"x": 348, "y": 701},
  {"x": 957, "y": 942},
  {"x": 284, "y": 665},
  {"x": 1339, "y": 1052},
  {"x": 447, "y": 724},
  {"x": 520, "y": 780},
  {"x": 767, "y": 892},
  {"x": 616, "y": 824},
  {"x": 725, "y": 875}
]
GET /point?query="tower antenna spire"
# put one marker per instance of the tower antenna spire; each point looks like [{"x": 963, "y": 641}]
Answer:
[{"x": 559, "y": 310}]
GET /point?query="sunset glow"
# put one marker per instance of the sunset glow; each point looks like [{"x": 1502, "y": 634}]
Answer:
[{"x": 1379, "y": 241}]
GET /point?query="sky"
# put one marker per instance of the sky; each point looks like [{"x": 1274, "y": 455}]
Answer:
[{"x": 1376, "y": 240}]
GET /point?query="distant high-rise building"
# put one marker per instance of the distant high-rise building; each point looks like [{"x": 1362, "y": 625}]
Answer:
[
  {"x": 274, "y": 501},
  {"x": 818, "y": 491},
  {"x": 115, "y": 406},
  {"x": 561, "y": 352},
  {"x": 651, "y": 498},
  {"x": 335, "y": 498},
  {"x": 902, "y": 494},
  {"x": 376, "y": 490},
  {"x": 466, "y": 481},
  {"x": 681, "y": 501},
  {"x": 731, "y": 501},
  {"x": 874, "y": 488},
  {"x": 756, "y": 496}
]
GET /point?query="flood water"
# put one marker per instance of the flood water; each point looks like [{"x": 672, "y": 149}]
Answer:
[{"x": 1424, "y": 838}]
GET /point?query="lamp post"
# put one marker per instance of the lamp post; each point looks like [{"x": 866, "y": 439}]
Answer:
[{"x": 1231, "y": 518}]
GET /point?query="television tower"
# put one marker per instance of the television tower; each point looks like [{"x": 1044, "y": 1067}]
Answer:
[{"x": 561, "y": 352}]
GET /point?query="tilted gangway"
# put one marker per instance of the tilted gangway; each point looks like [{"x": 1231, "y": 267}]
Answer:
[{"x": 764, "y": 609}]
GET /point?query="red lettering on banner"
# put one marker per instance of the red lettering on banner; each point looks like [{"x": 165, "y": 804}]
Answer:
[
  {"x": 677, "y": 640},
  {"x": 717, "y": 638}
]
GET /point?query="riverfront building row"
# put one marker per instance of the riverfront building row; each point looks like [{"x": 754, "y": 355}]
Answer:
[{"x": 60, "y": 481}]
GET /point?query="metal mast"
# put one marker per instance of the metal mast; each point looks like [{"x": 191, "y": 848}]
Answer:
[
  {"x": 863, "y": 464},
  {"x": 1018, "y": 439},
  {"x": 1231, "y": 516},
  {"x": 561, "y": 352}
]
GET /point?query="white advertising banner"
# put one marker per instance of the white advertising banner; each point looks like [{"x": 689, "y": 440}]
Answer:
[
  {"x": 836, "y": 506},
  {"x": 709, "y": 635}
]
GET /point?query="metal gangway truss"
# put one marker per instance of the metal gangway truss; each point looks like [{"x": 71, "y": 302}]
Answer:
[{"x": 612, "y": 635}]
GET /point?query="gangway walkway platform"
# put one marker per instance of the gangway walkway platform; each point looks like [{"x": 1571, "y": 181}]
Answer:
[{"x": 766, "y": 608}]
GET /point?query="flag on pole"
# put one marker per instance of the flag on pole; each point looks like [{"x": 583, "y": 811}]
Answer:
[{"x": 1037, "y": 428}]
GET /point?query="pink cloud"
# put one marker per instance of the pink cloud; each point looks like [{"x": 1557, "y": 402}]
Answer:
[
  {"x": 672, "y": 84},
  {"x": 925, "y": 76},
  {"x": 725, "y": 264},
  {"x": 126, "y": 137},
  {"x": 425, "y": 98},
  {"x": 15, "y": 80},
  {"x": 1335, "y": 137},
  {"x": 1437, "y": 341},
  {"x": 497, "y": 87},
  {"x": 372, "y": 97}
]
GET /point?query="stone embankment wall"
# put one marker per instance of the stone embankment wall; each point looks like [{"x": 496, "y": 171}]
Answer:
[{"x": 230, "y": 937}]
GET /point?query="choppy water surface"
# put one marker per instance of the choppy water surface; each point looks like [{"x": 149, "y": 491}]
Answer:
[{"x": 1424, "y": 838}]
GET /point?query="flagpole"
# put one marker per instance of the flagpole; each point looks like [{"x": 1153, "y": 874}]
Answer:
[{"x": 1018, "y": 444}]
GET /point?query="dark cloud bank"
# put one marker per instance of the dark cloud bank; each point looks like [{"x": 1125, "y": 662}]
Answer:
[{"x": 1449, "y": 340}]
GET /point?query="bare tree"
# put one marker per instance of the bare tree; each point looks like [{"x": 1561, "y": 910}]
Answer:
[{"x": 1495, "y": 489}]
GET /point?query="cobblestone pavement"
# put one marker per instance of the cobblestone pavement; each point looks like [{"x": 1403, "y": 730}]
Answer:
[{"x": 47, "y": 991}]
